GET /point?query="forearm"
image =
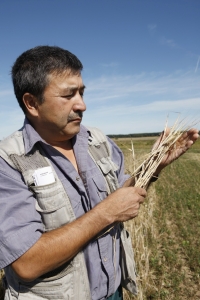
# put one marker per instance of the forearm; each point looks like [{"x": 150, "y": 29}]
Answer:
[{"x": 58, "y": 246}]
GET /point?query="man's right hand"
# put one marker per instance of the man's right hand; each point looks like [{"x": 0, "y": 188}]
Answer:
[{"x": 123, "y": 204}]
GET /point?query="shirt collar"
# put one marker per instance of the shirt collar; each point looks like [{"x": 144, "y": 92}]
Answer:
[{"x": 31, "y": 137}]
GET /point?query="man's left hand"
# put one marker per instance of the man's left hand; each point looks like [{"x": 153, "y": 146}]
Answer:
[{"x": 186, "y": 140}]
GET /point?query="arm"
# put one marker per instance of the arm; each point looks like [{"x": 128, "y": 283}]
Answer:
[{"x": 60, "y": 245}]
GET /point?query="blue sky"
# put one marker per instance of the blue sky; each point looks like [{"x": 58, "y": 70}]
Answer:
[{"x": 141, "y": 58}]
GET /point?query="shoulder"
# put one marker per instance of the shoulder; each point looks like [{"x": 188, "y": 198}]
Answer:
[
  {"x": 9, "y": 173},
  {"x": 15, "y": 140},
  {"x": 13, "y": 144}
]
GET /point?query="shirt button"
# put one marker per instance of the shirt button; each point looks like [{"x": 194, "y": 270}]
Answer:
[
  {"x": 103, "y": 160},
  {"x": 105, "y": 259},
  {"x": 77, "y": 178}
]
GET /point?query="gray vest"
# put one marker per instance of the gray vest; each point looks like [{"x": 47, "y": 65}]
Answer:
[{"x": 69, "y": 281}]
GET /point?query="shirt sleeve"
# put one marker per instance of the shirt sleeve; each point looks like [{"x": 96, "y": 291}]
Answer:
[
  {"x": 118, "y": 159},
  {"x": 21, "y": 225}
]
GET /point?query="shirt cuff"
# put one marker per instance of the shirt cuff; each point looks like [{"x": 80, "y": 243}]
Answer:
[{"x": 18, "y": 243}]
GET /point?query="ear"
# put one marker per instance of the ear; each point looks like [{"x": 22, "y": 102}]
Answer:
[{"x": 31, "y": 104}]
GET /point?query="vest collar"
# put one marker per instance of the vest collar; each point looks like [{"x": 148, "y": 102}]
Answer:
[{"x": 31, "y": 137}]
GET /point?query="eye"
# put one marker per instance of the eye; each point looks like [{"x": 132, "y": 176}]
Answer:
[
  {"x": 81, "y": 92},
  {"x": 68, "y": 96}
]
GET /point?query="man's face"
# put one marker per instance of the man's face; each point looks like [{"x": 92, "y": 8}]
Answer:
[{"x": 60, "y": 114}]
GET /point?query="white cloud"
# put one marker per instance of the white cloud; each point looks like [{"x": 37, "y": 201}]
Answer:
[
  {"x": 141, "y": 103},
  {"x": 10, "y": 121},
  {"x": 169, "y": 42},
  {"x": 152, "y": 28},
  {"x": 143, "y": 117},
  {"x": 11, "y": 116},
  {"x": 143, "y": 85},
  {"x": 5, "y": 92},
  {"x": 110, "y": 65},
  {"x": 197, "y": 65}
]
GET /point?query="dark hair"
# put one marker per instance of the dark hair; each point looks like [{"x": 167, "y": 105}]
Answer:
[{"x": 31, "y": 69}]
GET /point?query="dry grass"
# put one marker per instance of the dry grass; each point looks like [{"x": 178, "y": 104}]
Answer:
[
  {"x": 140, "y": 228},
  {"x": 169, "y": 141}
]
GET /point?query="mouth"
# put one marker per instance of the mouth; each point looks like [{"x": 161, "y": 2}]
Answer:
[
  {"x": 75, "y": 120},
  {"x": 75, "y": 117}
]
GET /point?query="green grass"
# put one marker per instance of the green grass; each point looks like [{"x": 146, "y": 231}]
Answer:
[{"x": 178, "y": 220}]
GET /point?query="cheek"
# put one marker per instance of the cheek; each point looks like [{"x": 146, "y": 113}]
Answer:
[
  {"x": 61, "y": 117},
  {"x": 55, "y": 113}
]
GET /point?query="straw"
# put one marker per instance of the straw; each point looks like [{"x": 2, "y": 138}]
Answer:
[{"x": 167, "y": 143}]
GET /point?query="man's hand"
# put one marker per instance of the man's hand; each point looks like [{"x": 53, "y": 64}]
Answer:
[
  {"x": 186, "y": 140},
  {"x": 122, "y": 205}
]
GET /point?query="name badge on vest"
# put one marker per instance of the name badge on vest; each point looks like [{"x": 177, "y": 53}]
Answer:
[{"x": 43, "y": 176}]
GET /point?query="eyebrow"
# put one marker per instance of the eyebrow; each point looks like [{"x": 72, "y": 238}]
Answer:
[{"x": 73, "y": 87}]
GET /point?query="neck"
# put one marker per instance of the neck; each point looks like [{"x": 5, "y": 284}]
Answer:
[
  {"x": 65, "y": 145},
  {"x": 56, "y": 140},
  {"x": 66, "y": 149}
]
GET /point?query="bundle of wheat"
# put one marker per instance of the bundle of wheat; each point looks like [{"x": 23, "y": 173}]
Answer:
[{"x": 168, "y": 142}]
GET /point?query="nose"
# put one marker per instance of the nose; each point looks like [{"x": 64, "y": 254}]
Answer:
[{"x": 79, "y": 103}]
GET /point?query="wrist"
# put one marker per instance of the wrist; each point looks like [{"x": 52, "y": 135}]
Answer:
[{"x": 104, "y": 213}]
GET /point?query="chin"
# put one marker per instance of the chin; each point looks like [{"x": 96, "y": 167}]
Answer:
[{"x": 72, "y": 131}]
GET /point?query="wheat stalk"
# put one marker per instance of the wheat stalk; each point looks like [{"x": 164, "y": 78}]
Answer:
[{"x": 168, "y": 142}]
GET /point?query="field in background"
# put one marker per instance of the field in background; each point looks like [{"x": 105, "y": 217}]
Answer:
[{"x": 166, "y": 232}]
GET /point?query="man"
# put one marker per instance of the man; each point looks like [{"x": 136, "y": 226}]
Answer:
[{"x": 63, "y": 238}]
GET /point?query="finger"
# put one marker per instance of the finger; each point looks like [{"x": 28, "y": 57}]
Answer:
[
  {"x": 187, "y": 139},
  {"x": 162, "y": 136},
  {"x": 193, "y": 134},
  {"x": 141, "y": 200},
  {"x": 142, "y": 192}
]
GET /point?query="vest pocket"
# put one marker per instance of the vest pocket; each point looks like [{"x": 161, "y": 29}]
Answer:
[
  {"x": 53, "y": 205},
  {"x": 42, "y": 291},
  {"x": 108, "y": 169},
  {"x": 58, "y": 287},
  {"x": 100, "y": 187}
]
